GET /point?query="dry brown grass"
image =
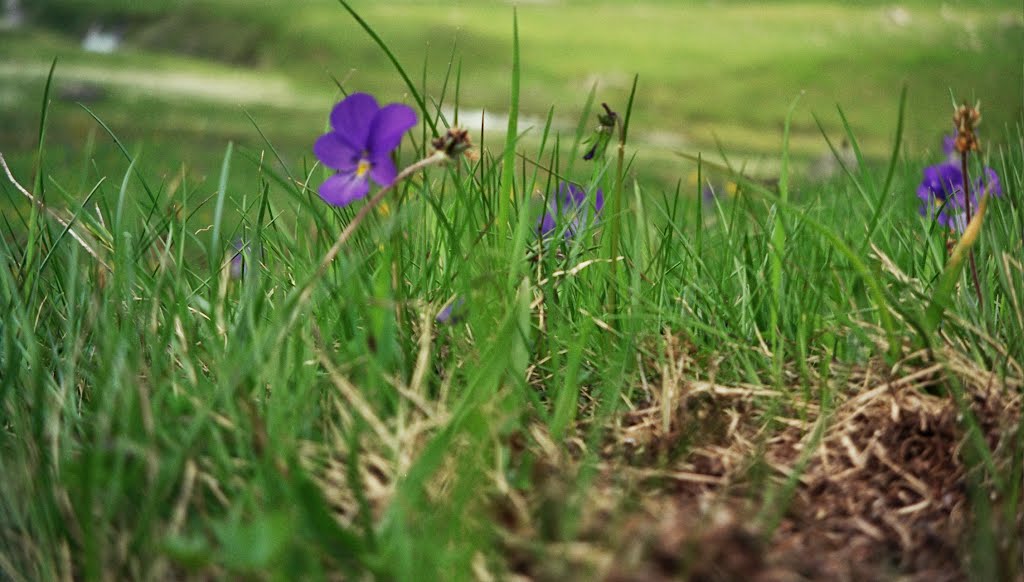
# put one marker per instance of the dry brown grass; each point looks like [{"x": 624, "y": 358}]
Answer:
[
  {"x": 690, "y": 482},
  {"x": 882, "y": 494}
]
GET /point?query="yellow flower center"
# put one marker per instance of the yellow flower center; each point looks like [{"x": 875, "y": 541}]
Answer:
[{"x": 362, "y": 168}]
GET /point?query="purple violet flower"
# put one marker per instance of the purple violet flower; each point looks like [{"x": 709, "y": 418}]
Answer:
[
  {"x": 707, "y": 191},
  {"x": 942, "y": 193},
  {"x": 452, "y": 313},
  {"x": 570, "y": 201},
  {"x": 237, "y": 267},
  {"x": 949, "y": 146},
  {"x": 359, "y": 146}
]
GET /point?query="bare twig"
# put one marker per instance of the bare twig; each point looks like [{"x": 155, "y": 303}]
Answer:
[
  {"x": 437, "y": 157},
  {"x": 965, "y": 118}
]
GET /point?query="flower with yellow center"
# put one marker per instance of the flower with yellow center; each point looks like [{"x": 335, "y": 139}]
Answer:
[{"x": 363, "y": 135}]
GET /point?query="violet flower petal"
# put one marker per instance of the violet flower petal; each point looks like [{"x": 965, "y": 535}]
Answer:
[
  {"x": 547, "y": 224},
  {"x": 343, "y": 189},
  {"x": 924, "y": 192},
  {"x": 353, "y": 117},
  {"x": 388, "y": 127},
  {"x": 948, "y": 144},
  {"x": 237, "y": 267},
  {"x": 991, "y": 181},
  {"x": 572, "y": 204},
  {"x": 382, "y": 169},
  {"x": 941, "y": 181},
  {"x": 452, "y": 313},
  {"x": 955, "y": 220},
  {"x": 336, "y": 153},
  {"x": 572, "y": 194}
]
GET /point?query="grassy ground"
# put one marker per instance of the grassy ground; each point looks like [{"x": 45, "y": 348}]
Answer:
[{"x": 789, "y": 383}]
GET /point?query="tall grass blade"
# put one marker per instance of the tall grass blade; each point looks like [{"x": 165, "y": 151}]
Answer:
[
  {"x": 427, "y": 117},
  {"x": 218, "y": 210},
  {"x": 508, "y": 160}
]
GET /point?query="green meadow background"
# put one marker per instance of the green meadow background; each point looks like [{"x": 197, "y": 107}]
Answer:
[{"x": 714, "y": 76}]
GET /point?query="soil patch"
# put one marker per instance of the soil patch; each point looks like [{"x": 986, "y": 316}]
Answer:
[{"x": 876, "y": 486}]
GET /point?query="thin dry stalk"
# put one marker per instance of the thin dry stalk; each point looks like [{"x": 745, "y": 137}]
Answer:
[{"x": 52, "y": 214}]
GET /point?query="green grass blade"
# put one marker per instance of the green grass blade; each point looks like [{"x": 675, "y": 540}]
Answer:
[
  {"x": 779, "y": 249},
  {"x": 218, "y": 211},
  {"x": 394, "y": 61},
  {"x": 946, "y": 287},
  {"x": 509, "y": 155},
  {"x": 870, "y": 279},
  {"x": 889, "y": 173},
  {"x": 852, "y": 138},
  {"x": 124, "y": 151}
]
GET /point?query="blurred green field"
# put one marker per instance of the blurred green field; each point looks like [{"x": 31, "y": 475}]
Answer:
[{"x": 709, "y": 72}]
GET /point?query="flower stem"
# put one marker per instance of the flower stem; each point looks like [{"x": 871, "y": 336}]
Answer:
[
  {"x": 303, "y": 294},
  {"x": 967, "y": 201},
  {"x": 617, "y": 203},
  {"x": 615, "y": 228},
  {"x": 437, "y": 157}
]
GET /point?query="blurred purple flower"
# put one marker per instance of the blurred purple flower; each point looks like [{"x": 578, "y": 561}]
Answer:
[
  {"x": 707, "y": 192},
  {"x": 237, "y": 267},
  {"x": 942, "y": 193},
  {"x": 570, "y": 202},
  {"x": 359, "y": 146},
  {"x": 949, "y": 146},
  {"x": 452, "y": 313}
]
